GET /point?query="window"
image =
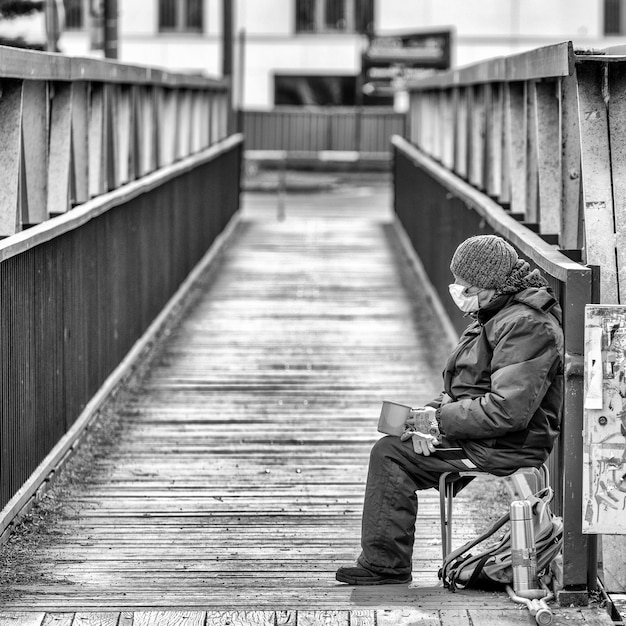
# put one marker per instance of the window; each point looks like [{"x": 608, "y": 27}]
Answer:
[
  {"x": 614, "y": 17},
  {"x": 184, "y": 16},
  {"x": 327, "y": 16},
  {"x": 75, "y": 14}
]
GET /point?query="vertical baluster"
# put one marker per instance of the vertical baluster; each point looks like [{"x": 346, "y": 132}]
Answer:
[
  {"x": 60, "y": 148},
  {"x": 549, "y": 156},
  {"x": 10, "y": 155},
  {"x": 571, "y": 217},
  {"x": 35, "y": 140},
  {"x": 596, "y": 181},
  {"x": 516, "y": 146}
]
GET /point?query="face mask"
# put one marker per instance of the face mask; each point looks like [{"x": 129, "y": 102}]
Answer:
[{"x": 467, "y": 303}]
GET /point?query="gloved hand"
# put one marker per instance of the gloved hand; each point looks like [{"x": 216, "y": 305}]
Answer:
[
  {"x": 424, "y": 444},
  {"x": 423, "y": 421}
]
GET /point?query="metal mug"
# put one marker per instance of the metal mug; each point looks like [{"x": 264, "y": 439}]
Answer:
[{"x": 393, "y": 418}]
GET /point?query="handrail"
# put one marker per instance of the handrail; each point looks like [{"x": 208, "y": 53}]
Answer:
[
  {"x": 57, "y": 226},
  {"x": 546, "y": 256},
  {"x": 34, "y": 65},
  {"x": 547, "y": 62}
]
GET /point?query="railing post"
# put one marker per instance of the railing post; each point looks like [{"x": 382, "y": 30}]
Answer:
[{"x": 578, "y": 292}]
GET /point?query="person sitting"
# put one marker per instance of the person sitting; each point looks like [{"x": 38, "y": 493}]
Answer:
[{"x": 499, "y": 410}]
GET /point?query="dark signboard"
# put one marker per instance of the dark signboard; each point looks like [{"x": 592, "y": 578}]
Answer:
[{"x": 391, "y": 60}]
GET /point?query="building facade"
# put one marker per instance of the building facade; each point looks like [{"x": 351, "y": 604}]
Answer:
[{"x": 310, "y": 51}]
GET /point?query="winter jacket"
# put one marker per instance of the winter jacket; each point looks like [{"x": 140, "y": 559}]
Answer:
[{"x": 503, "y": 384}]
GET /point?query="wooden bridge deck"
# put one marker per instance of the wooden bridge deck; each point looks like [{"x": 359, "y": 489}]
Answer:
[{"x": 224, "y": 484}]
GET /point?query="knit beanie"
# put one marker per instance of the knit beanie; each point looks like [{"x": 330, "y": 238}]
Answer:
[{"x": 484, "y": 261}]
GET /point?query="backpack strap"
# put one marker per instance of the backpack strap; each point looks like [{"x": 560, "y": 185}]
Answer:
[{"x": 470, "y": 544}]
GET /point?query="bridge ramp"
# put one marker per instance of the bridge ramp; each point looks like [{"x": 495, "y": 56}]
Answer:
[{"x": 224, "y": 484}]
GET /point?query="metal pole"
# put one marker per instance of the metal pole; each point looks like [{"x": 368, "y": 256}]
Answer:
[
  {"x": 110, "y": 29},
  {"x": 52, "y": 26},
  {"x": 227, "y": 55},
  {"x": 241, "y": 69}
]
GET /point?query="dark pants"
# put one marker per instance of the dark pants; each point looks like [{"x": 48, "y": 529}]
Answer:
[{"x": 396, "y": 472}]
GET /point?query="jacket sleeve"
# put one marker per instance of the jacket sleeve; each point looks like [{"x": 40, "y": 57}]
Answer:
[{"x": 524, "y": 355}]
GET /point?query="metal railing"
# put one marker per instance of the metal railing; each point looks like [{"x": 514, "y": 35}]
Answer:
[
  {"x": 365, "y": 130},
  {"x": 136, "y": 182},
  {"x": 519, "y": 146},
  {"x": 74, "y": 128},
  {"x": 540, "y": 132}
]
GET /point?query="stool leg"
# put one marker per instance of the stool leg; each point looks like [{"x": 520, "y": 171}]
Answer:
[
  {"x": 442, "y": 514},
  {"x": 450, "y": 501}
]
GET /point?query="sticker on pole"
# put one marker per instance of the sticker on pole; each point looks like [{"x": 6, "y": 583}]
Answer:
[{"x": 604, "y": 420}]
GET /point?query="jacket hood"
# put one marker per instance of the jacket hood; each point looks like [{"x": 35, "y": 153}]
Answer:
[
  {"x": 539, "y": 298},
  {"x": 542, "y": 299}
]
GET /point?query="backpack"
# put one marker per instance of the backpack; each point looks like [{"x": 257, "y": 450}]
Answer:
[{"x": 489, "y": 566}]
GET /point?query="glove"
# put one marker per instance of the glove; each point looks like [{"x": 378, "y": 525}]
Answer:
[{"x": 424, "y": 444}]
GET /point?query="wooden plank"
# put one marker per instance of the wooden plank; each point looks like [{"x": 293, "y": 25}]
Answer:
[
  {"x": 169, "y": 618},
  {"x": 21, "y": 618},
  {"x": 97, "y": 140},
  {"x": 362, "y": 617},
  {"x": 510, "y": 617},
  {"x": 461, "y": 130},
  {"x": 80, "y": 142},
  {"x": 35, "y": 138},
  {"x": 495, "y": 142},
  {"x": 59, "y": 160},
  {"x": 123, "y": 126},
  {"x": 477, "y": 130},
  {"x": 571, "y": 225},
  {"x": 96, "y": 619},
  {"x": 549, "y": 157},
  {"x": 517, "y": 124},
  {"x": 596, "y": 181},
  {"x": 459, "y": 617},
  {"x": 532, "y": 174},
  {"x": 10, "y": 157},
  {"x": 166, "y": 124},
  {"x": 408, "y": 617},
  {"x": 61, "y": 619},
  {"x": 323, "y": 618},
  {"x": 448, "y": 130},
  {"x": 617, "y": 119},
  {"x": 240, "y": 618},
  {"x": 286, "y": 618}
]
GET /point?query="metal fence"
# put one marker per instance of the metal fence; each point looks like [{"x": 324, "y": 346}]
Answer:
[
  {"x": 541, "y": 132},
  {"x": 80, "y": 287},
  {"x": 309, "y": 130},
  {"x": 75, "y": 128}
]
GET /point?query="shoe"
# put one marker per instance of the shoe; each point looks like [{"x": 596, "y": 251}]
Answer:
[{"x": 357, "y": 575}]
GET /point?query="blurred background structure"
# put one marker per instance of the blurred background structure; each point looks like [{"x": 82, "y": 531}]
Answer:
[{"x": 306, "y": 52}]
